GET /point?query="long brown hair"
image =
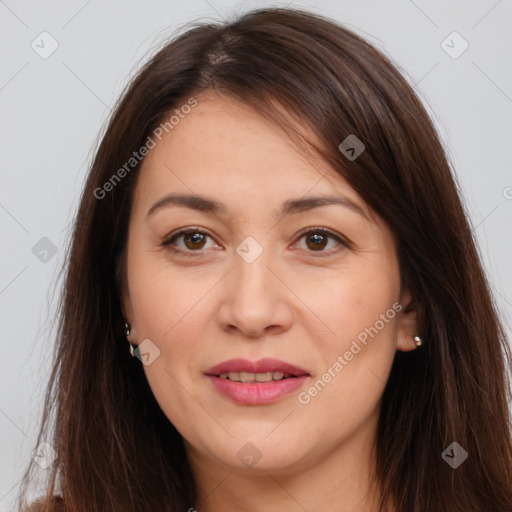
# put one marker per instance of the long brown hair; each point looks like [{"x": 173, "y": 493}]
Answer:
[{"x": 117, "y": 451}]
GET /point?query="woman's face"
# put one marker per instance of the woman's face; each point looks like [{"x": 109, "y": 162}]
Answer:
[{"x": 255, "y": 279}]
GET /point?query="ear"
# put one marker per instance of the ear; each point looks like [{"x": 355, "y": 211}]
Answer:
[{"x": 408, "y": 325}]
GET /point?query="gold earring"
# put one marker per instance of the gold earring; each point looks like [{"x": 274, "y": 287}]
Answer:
[{"x": 418, "y": 341}]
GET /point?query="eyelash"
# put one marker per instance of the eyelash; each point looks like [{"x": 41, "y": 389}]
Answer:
[{"x": 168, "y": 242}]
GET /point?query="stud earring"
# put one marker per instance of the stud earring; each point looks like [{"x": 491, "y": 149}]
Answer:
[{"x": 418, "y": 341}]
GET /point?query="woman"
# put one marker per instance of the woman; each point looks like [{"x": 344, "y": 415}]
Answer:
[{"x": 271, "y": 222}]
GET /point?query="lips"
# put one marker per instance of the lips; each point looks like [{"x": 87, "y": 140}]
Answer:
[
  {"x": 256, "y": 383},
  {"x": 266, "y": 365}
]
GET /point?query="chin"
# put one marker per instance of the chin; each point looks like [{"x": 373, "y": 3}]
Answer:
[{"x": 261, "y": 455}]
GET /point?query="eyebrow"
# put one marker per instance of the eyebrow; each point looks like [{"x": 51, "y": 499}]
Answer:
[{"x": 291, "y": 206}]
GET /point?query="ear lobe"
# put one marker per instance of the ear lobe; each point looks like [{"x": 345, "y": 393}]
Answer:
[{"x": 408, "y": 324}]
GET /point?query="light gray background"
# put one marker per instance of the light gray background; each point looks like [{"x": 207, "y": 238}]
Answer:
[{"x": 52, "y": 110}]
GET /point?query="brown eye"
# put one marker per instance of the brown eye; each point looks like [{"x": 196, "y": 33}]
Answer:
[
  {"x": 194, "y": 240},
  {"x": 318, "y": 239}
]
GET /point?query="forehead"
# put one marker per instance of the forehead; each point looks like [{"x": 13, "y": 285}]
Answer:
[{"x": 224, "y": 148}]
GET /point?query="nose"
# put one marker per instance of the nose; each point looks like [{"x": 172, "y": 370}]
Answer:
[{"x": 256, "y": 300}]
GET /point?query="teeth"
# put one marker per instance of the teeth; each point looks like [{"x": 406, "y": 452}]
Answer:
[
  {"x": 264, "y": 377},
  {"x": 246, "y": 377},
  {"x": 254, "y": 377}
]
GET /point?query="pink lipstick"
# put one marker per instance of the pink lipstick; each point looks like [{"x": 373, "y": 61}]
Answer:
[{"x": 256, "y": 383}]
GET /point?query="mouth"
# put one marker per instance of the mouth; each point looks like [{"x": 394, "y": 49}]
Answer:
[
  {"x": 263, "y": 370},
  {"x": 255, "y": 377},
  {"x": 256, "y": 383}
]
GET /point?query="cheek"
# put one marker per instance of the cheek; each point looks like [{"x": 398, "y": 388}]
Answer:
[
  {"x": 348, "y": 304},
  {"x": 169, "y": 311},
  {"x": 357, "y": 341},
  {"x": 162, "y": 296}
]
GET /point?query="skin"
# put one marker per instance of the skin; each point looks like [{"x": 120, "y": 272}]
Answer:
[{"x": 291, "y": 303}]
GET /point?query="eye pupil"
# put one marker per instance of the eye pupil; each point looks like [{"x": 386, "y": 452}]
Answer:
[
  {"x": 195, "y": 238},
  {"x": 320, "y": 240}
]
